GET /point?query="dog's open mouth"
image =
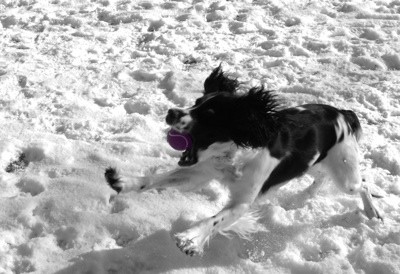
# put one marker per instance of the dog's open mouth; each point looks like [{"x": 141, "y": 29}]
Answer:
[{"x": 188, "y": 158}]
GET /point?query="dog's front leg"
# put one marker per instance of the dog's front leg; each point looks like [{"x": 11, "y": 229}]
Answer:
[
  {"x": 244, "y": 186},
  {"x": 183, "y": 179},
  {"x": 192, "y": 240}
]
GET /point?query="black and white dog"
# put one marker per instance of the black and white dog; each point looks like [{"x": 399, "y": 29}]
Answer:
[{"x": 248, "y": 143}]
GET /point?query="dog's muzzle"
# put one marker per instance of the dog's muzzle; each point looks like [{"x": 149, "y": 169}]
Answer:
[{"x": 174, "y": 115}]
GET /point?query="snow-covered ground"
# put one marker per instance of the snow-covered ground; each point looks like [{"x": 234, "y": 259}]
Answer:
[{"x": 86, "y": 84}]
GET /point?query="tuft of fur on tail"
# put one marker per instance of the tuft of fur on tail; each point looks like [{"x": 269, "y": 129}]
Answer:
[
  {"x": 113, "y": 179},
  {"x": 245, "y": 226}
]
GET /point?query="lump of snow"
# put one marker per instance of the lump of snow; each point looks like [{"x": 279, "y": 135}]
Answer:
[
  {"x": 392, "y": 60},
  {"x": 156, "y": 25},
  {"x": 22, "y": 80},
  {"x": 299, "y": 51},
  {"x": 8, "y": 21},
  {"x": 377, "y": 16},
  {"x": 386, "y": 157},
  {"x": 376, "y": 99},
  {"x": 368, "y": 63},
  {"x": 317, "y": 46},
  {"x": 220, "y": 11},
  {"x": 377, "y": 258},
  {"x": 277, "y": 52},
  {"x": 215, "y": 16},
  {"x": 143, "y": 76},
  {"x": 347, "y": 8},
  {"x": 292, "y": 21},
  {"x": 137, "y": 107},
  {"x": 24, "y": 266},
  {"x": 268, "y": 44},
  {"x": 118, "y": 18},
  {"x": 28, "y": 93},
  {"x": 103, "y": 102},
  {"x": 242, "y": 27},
  {"x": 329, "y": 12},
  {"x": 371, "y": 34},
  {"x": 72, "y": 21},
  {"x": 169, "y": 81},
  {"x": 82, "y": 34}
]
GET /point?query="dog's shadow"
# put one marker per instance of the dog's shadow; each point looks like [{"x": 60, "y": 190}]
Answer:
[
  {"x": 155, "y": 253},
  {"x": 158, "y": 252}
]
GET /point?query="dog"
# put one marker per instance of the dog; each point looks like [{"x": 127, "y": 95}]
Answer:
[{"x": 252, "y": 145}]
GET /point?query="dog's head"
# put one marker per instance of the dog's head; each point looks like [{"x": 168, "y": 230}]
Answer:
[{"x": 222, "y": 115}]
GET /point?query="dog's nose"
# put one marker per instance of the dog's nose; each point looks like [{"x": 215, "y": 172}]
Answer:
[{"x": 173, "y": 116}]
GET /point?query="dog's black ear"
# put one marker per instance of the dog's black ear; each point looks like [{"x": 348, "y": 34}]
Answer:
[
  {"x": 217, "y": 81},
  {"x": 256, "y": 119}
]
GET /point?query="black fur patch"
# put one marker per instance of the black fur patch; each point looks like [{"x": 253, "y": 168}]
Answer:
[
  {"x": 217, "y": 81},
  {"x": 341, "y": 138},
  {"x": 112, "y": 179},
  {"x": 352, "y": 120},
  {"x": 249, "y": 120},
  {"x": 291, "y": 167}
]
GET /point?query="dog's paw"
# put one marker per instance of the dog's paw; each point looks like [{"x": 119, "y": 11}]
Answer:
[
  {"x": 113, "y": 179},
  {"x": 373, "y": 212},
  {"x": 370, "y": 209},
  {"x": 187, "y": 246}
]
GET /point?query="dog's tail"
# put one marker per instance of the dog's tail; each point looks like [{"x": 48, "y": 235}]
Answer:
[
  {"x": 113, "y": 179},
  {"x": 352, "y": 120}
]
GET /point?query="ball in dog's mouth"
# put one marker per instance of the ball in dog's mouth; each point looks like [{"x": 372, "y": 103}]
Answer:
[
  {"x": 182, "y": 142},
  {"x": 179, "y": 141}
]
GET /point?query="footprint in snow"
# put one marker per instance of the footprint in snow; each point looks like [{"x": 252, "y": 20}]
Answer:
[
  {"x": 66, "y": 237},
  {"x": 23, "y": 266},
  {"x": 31, "y": 186},
  {"x": 24, "y": 158},
  {"x": 118, "y": 205},
  {"x": 124, "y": 234}
]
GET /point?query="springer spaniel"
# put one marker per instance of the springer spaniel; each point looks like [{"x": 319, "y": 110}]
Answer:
[{"x": 250, "y": 144}]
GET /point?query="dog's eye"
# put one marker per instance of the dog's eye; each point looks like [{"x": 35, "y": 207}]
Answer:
[{"x": 209, "y": 112}]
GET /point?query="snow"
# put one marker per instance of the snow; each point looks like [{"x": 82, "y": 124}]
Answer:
[{"x": 86, "y": 84}]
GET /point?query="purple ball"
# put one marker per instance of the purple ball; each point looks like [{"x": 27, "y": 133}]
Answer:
[{"x": 179, "y": 141}]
